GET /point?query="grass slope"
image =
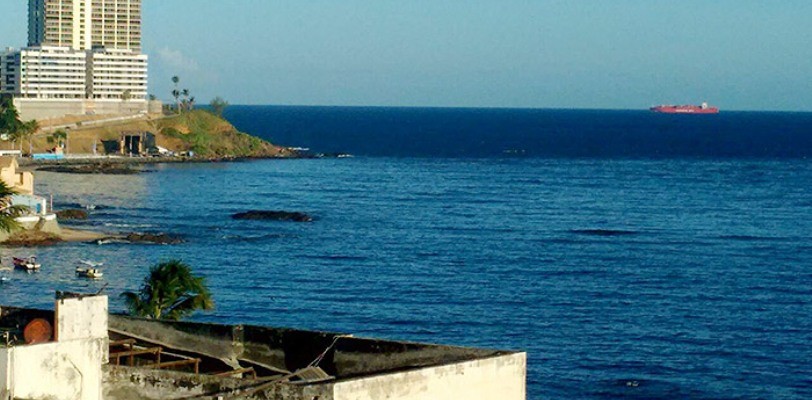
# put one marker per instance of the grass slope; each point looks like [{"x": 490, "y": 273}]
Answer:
[
  {"x": 211, "y": 136},
  {"x": 200, "y": 131}
]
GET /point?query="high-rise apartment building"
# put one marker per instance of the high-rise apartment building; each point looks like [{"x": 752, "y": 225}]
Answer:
[
  {"x": 83, "y": 56},
  {"x": 85, "y": 24},
  {"x": 44, "y": 73},
  {"x": 116, "y": 75}
]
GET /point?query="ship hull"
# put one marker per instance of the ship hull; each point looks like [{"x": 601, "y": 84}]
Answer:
[{"x": 685, "y": 110}]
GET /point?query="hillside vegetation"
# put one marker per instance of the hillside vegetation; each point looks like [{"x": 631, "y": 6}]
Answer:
[
  {"x": 211, "y": 136},
  {"x": 202, "y": 132}
]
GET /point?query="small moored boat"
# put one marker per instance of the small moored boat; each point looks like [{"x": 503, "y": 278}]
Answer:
[
  {"x": 27, "y": 264},
  {"x": 90, "y": 273},
  {"x": 89, "y": 269}
]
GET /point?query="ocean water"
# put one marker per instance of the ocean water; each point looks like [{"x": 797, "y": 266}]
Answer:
[{"x": 661, "y": 269}]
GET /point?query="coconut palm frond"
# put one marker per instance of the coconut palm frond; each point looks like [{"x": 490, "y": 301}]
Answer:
[
  {"x": 9, "y": 212},
  {"x": 170, "y": 291},
  {"x": 15, "y": 211}
]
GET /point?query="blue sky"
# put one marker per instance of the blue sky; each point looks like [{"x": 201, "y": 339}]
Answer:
[{"x": 738, "y": 54}]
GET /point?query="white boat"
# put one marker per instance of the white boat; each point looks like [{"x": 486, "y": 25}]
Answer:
[
  {"x": 89, "y": 269},
  {"x": 27, "y": 264},
  {"x": 90, "y": 273}
]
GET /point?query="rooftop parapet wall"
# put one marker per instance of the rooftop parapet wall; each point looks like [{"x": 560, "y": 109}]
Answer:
[
  {"x": 291, "y": 350},
  {"x": 81, "y": 318},
  {"x": 503, "y": 377},
  {"x": 69, "y": 366},
  {"x": 127, "y": 383}
]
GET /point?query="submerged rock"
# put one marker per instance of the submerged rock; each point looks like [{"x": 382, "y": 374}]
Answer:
[
  {"x": 71, "y": 214},
  {"x": 258, "y": 215},
  {"x": 142, "y": 238},
  {"x": 100, "y": 168}
]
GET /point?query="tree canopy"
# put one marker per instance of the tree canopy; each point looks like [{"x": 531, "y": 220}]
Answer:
[
  {"x": 9, "y": 117},
  {"x": 218, "y": 106},
  {"x": 9, "y": 212},
  {"x": 170, "y": 291}
]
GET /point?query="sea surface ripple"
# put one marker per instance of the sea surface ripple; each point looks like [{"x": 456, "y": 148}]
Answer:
[
  {"x": 621, "y": 278},
  {"x": 690, "y": 279}
]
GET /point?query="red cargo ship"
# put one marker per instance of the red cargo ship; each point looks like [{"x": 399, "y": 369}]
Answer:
[{"x": 701, "y": 109}]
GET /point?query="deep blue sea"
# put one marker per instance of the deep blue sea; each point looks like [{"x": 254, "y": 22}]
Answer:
[{"x": 631, "y": 255}]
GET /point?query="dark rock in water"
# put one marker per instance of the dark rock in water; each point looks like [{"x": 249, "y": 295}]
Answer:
[
  {"x": 71, "y": 214},
  {"x": 102, "y": 168},
  {"x": 142, "y": 238},
  {"x": 603, "y": 232},
  {"x": 157, "y": 238},
  {"x": 257, "y": 215}
]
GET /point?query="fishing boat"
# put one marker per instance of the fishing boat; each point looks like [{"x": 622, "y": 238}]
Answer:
[
  {"x": 89, "y": 269},
  {"x": 27, "y": 264},
  {"x": 90, "y": 273}
]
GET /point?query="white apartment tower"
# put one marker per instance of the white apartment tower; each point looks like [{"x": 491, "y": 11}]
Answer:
[
  {"x": 85, "y": 24},
  {"x": 82, "y": 56},
  {"x": 44, "y": 73}
]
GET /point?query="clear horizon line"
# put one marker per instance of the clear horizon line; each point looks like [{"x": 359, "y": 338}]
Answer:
[{"x": 646, "y": 109}]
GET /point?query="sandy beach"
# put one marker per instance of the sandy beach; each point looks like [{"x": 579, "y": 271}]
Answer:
[{"x": 75, "y": 235}]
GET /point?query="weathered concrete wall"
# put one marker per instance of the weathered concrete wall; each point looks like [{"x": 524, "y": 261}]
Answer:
[
  {"x": 126, "y": 383},
  {"x": 57, "y": 371},
  {"x": 81, "y": 318},
  {"x": 155, "y": 107},
  {"x": 217, "y": 341},
  {"x": 291, "y": 350},
  {"x": 66, "y": 369},
  {"x": 44, "y": 109},
  {"x": 359, "y": 356},
  {"x": 497, "y": 378},
  {"x": 46, "y": 223},
  {"x": 5, "y": 375}
]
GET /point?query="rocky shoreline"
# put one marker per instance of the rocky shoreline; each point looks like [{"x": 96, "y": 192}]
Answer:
[
  {"x": 57, "y": 235},
  {"x": 35, "y": 238}
]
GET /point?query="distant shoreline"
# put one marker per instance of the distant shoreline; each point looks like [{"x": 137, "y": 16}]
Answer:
[{"x": 29, "y": 162}]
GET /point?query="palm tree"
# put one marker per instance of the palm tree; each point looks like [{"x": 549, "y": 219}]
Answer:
[
  {"x": 60, "y": 137},
  {"x": 185, "y": 93},
  {"x": 176, "y": 91},
  {"x": 170, "y": 291},
  {"x": 176, "y": 95},
  {"x": 27, "y": 130},
  {"x": 9, "y": 212},
  {"x": 9, "y": 117}
]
